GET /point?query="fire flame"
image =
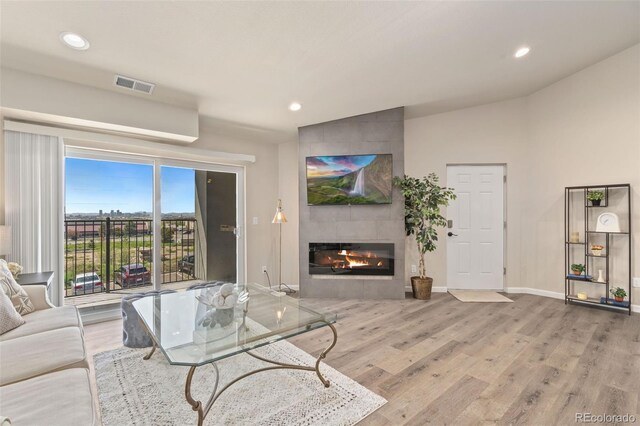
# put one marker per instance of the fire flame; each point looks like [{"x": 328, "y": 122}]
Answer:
[
  {"x": 356, "y": 263},
  {"x": 354, "y": 259}
]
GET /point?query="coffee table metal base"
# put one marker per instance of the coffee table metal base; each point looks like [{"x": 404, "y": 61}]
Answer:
[{"x": 215, "y": 394}]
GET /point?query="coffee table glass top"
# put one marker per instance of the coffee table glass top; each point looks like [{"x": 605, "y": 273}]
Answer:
[{"x": 189, "y": 332}]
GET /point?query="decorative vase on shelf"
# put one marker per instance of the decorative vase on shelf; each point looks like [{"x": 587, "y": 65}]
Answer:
[
  {"x": 600, "y": 276},
  {"x": 574, "y": 237}
]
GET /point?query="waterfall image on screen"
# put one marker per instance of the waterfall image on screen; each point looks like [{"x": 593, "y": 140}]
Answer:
[
  {"x": 349, "y": 179},
  {"x": 358, "y": 187}
]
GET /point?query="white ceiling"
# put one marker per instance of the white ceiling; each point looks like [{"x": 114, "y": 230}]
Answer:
[{"x": 242, "y": 63}]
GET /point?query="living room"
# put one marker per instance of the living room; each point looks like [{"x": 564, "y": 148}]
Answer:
[{"x": 366, "y": 212}]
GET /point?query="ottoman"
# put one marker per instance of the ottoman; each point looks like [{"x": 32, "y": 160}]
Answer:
[{"x": 134, "y": 334}]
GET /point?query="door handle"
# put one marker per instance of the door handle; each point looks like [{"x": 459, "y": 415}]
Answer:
[{"x": 451, "y": 234}]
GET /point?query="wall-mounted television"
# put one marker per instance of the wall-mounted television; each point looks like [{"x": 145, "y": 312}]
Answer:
[{"x": 349, "y": 179}]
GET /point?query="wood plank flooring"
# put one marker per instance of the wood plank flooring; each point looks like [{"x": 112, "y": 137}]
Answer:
[{"x": 444, "y": 362}]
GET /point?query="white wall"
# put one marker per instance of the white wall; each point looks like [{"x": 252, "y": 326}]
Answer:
[
  {"x": 584, "y": 129},
  {"x": 261, "y": 196},
  {"x": 593, "y": 116},
  {"x": 35, "y": 97},
  {"x": 288, "y": 192},
  {"x": 494, "y": 133}
]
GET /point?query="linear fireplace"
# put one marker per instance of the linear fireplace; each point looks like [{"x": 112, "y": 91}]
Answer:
[{"x": 351, "y": 259}]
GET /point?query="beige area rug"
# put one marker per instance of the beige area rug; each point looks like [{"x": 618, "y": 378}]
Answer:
[
  {"x": 137, "y": 392},
  {"x": 479, "y": 296}
]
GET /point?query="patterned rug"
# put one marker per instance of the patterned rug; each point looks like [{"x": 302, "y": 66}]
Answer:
[{"x": 137, "y": 392}]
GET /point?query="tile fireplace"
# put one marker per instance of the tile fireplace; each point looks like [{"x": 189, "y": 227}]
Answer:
[{"x": 351, "y": 259}]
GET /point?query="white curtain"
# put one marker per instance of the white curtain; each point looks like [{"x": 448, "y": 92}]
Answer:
[{"x": 34, "y": 203}]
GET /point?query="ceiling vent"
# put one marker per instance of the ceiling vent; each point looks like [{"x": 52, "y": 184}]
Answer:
[{"x": 133, "y": 84}]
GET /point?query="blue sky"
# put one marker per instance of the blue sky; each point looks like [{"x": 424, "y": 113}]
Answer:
[
  {"x": 337, "y": 165},
  {"x": 92, "y": 185},
  {"x": 178, "y": 190}
]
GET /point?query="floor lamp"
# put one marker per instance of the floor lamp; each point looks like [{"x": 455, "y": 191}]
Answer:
[{"x": 280, "y": 218}]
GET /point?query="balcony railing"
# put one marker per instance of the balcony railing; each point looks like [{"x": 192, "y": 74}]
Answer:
[{"x": 113, "y": 254}]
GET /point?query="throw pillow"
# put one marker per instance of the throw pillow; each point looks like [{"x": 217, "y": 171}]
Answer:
[
  {"x": 11, "y": 288},
  {"x": 9, "y": 317}
]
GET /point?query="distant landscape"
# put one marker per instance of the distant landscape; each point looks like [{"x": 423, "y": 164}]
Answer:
[
  {"x": 349, "y": 179},
  {"x": 127, "y": 216}
]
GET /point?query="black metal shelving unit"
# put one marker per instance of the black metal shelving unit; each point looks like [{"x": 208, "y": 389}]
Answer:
[{"x": 571, "y": 248}]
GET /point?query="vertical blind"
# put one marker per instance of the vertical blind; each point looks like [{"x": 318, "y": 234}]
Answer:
[{"x": 34, "y": 200}]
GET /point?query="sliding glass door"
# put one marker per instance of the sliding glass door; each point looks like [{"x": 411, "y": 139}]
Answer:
[
  {"x": 199, "y": 224},
  {"x": 135, "y": 223}
]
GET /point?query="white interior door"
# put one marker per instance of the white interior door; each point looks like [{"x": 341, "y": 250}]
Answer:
[{"x": 475, "y": 238}]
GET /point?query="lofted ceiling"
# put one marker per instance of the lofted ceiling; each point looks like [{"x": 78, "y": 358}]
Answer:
[{"x": 242, "y": 63}]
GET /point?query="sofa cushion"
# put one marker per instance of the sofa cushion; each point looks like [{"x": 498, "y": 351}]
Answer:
[
  {"x": 30, "y": 356},
  {"x": 45, "y": 320},
  {"x": 39, "y": 296},
  {"x": 10, "y": 319},
  {"x": 16, "y": 293},
  {"x": 60, "y": 398}
]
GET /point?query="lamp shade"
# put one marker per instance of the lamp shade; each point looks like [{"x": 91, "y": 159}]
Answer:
[
  {"x": 5, "y": 240},
  {"x": 279, "y": 216}
]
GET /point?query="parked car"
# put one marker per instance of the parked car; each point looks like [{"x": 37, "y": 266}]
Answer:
[
  {"x": 132, "y": 275},
  {"x": 86, "y": 283},
  {"x": 187, "y": 264}
]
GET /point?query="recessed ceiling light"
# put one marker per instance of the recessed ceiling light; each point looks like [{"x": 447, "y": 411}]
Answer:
[
  {"x": 295, "y": 106},
  {"x": 74, "y": 41},
  {"x": 521, "y": 52}
]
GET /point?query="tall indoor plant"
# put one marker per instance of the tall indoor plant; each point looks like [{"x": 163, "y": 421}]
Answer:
[{"x": 423, "y": 200}]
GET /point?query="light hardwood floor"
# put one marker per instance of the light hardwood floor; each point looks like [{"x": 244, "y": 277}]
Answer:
[{"x": 535, "y": 361}]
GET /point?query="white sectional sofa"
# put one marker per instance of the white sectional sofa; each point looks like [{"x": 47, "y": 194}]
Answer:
[{"x": 44, "y": 371}]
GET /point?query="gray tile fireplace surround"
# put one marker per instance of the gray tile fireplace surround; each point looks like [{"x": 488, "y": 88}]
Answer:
[{"x": 376, "y": 133}]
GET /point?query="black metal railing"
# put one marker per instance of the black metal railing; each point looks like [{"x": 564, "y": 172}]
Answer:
[{"x": 113, "y": 254}]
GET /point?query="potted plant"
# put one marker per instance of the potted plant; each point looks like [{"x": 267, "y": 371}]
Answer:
[
  {"x": 423, "y": 199},
  {"x": 618, "y": 294},
  {"x": 577, "y": 268},
  {"x": 595, "y": 197},
  {"x": 596, "y": 249}
]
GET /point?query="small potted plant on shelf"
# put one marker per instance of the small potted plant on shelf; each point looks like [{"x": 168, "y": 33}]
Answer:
[
  {"x": 577, "y": 269},
  {"x": 596, "y": 249},
  {"x": 423, "y": 199},
  {"x": 595, "y": 197},
  {"x": 618, "y": 294}
]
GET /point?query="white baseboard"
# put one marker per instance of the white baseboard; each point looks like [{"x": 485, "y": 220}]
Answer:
[
  {"x": 408, "y": 289},
  {"x": 535, "y": 291},
  {"x": 524, "y": 290},
  {"x": 551, "y": 294}
]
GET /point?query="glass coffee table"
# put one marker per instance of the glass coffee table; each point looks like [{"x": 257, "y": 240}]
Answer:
[{"x": 189, "y": 331}]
